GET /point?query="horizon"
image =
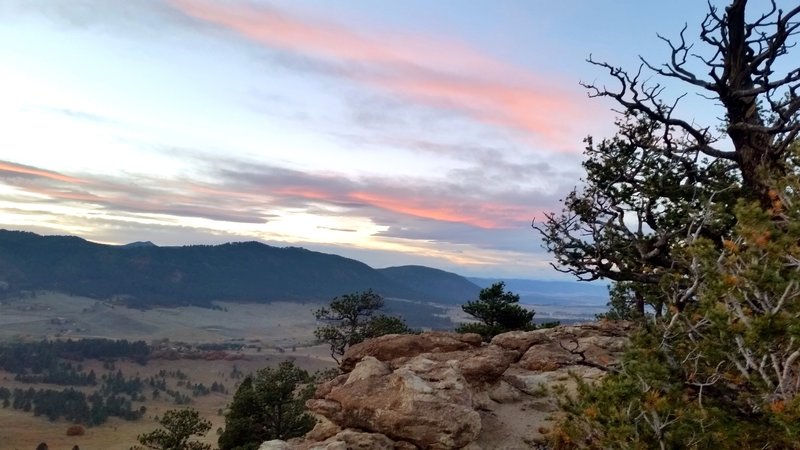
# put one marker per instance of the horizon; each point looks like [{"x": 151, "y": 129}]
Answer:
[
  {"x": 393, "y": 134},
  {"x": 466, "y": 276}
]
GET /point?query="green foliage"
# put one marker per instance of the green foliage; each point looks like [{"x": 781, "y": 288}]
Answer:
[
  {"x": 634, "y": 211},
  {"x": 240, "y": 420},
  {"x": 43, "y": 357},
  {"x": 707, "y": 237},
  {"x": 269, "y": 405},
  {"x": 723, "y": 372},
  {"x": 178, "y": 428},
  {"x": 497, "y": 312},
  {"x": 352, "y": 318},
  {"x": 627, "y": 301},
  {"x": 78, "y": 406}
]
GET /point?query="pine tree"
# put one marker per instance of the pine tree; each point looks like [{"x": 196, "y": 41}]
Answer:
[{"x": 497, "y": 312}]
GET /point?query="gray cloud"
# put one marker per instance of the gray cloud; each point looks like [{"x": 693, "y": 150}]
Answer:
[
  {"x": 486, "y": 203},
  {"x": 117, "y": 17},
  {"x": 243, "y": 191},
  {"x": 78, "y": 114}
]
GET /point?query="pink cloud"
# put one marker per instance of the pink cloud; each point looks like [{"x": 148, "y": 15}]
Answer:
[
  {"x": 482, "y": 215},
  {"x": 518, "y": 107},
  {"x": 9, "y": 167},
  {"x": 426, "y": 70},
  {"x": 253, "y": 199},
  {"x": 278, "y": 29}
]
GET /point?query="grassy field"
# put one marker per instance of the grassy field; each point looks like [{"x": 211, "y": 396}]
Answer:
[
  {"x": 274, "y": 332},
  {"x": 57, "y": 315},
  {"x": 22, "y": 431}
]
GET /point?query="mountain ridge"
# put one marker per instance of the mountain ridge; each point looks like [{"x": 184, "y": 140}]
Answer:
[{"x": 142, "y": 274}]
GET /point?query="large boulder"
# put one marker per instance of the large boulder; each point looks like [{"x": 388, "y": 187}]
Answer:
[
  {"x": 486, "y": 364},
  {"x": 595, "y": 345},
  {"x": 395, "y": 346},
  {"x": 425, "y": 402},
  {"x": 521, "y": 341},
  {"x": 355, "y": 440},
  {"x": 452, "y": 391}
]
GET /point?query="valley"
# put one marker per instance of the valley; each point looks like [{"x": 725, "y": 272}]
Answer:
[
  {"x": 255, "y": 335},
  {"x": 268, "y": 334}
]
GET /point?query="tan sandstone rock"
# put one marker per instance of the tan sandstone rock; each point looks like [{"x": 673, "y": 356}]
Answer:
[
  {"x": 323, "y": 429},
  {"x": 521, "y": 341},
  {"x": 450, "y": 391},
  {"x": 356, "y": 440},
  {"x": 393, "y": 346},
  {"x": 427, "y": 403},
  {"x": 274, "y": 445}
]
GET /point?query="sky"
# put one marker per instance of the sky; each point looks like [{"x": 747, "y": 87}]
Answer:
[{"x": 393, "y": 132}]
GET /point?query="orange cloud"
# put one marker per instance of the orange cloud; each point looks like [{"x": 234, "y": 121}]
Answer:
[
  {"x": 27, "y": 170},
  {"x": 480, "y": 215},
  {"x": 518, "y": 107},
  {"x": 252, "y": 202},
  {"x": 305, "y": 193},
  {"x": 63, "y": 194},
  {"x": 317, "y": 38},
  {"x": 425, "y": 70}
]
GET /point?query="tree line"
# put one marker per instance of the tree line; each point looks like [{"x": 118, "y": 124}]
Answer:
[
  {"x": 71, "y": 405},
  {"x": 46, "y": 355}
]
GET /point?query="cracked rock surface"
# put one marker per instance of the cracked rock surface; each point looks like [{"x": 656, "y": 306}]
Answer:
[{"x": 441, "y": 391}]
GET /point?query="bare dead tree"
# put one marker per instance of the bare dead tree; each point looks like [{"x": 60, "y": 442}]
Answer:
[
  {"x": 646, "y": 186},
  {"x": 761, "y": 106}
]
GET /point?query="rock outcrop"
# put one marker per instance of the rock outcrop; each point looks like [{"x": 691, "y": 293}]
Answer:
[{"x": 442, "y": 391}]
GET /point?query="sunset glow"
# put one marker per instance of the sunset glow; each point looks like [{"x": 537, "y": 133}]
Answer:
[{"x": 396, "y": 133}]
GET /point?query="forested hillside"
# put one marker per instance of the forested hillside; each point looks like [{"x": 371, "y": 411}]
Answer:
[
  {"x": 446, "y": 287},
  {"x": 144, "y": 275}
]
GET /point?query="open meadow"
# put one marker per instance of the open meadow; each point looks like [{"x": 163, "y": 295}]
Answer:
[
  {"x": 57, "y": 315},
  {"x": 269, "y": 334}
]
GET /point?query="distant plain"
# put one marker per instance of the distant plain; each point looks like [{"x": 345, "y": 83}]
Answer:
[{"x": 270, "y": 333}]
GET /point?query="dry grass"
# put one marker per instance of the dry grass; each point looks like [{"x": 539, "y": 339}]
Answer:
[
  {"x": 275, "y": 324},
  {"x": 22, "y": 431},
  {"x": 276, "y": 328}
]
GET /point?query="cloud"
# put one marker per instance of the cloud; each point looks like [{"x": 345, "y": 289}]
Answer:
[
  {"x": 143, "y": 195},
  {"x": 430, "y": 71},
  {"x": 246, "y": 192},
  {"x": 273, "y": 27},
  {"x": 482, "y": 214},
  {"x": 9, "y": 169},
  {"x": 79, "y": 115},
  {"x": 432, "y": 105},
  {"x": 144, "y": 18},
  {"x": 461, "y": 223},
  {"x": 467, "y": 200}
]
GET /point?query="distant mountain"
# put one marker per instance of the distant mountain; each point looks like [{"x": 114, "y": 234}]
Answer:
[
  {"x": 139, "y": 244},
  {"x": 142, "y": 275},
  {"x": 444, "y": 286},
  {"x": 539, "y": 291}
]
